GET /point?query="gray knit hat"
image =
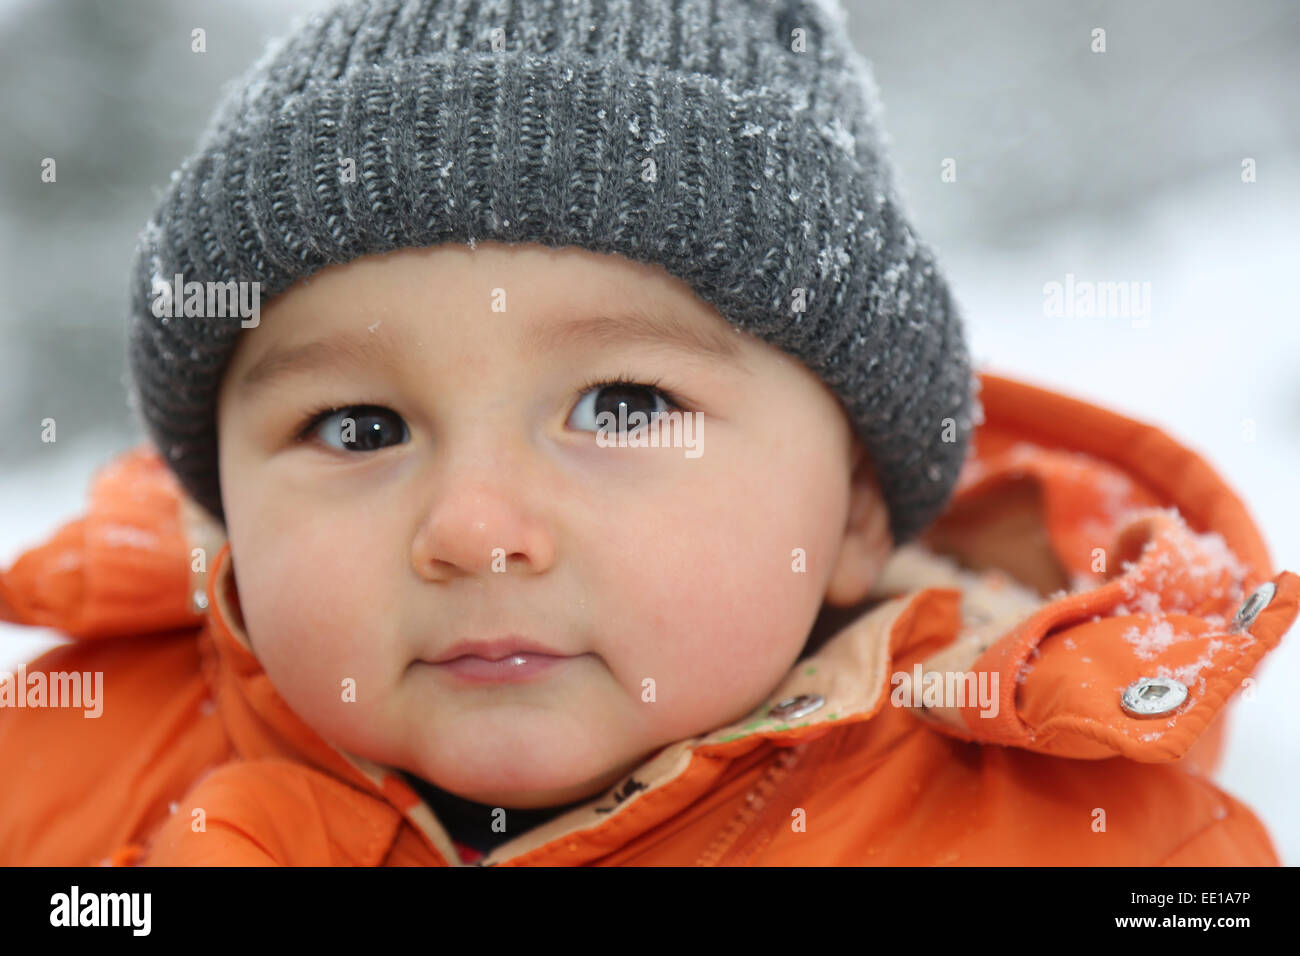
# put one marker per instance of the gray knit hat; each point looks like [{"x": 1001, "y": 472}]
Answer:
[{"x": 734, "y": 142}]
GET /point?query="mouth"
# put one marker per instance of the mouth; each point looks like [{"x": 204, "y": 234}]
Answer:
[
  {"x": 497, "y": 650},
  {"x": 507, "y": 659}
]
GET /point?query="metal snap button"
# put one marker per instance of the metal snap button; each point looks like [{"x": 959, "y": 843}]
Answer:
[
  {"x": 1153, "y": 696},
  {"x": 792, "y": 708},
  {"x": 1254, "y": 604}
]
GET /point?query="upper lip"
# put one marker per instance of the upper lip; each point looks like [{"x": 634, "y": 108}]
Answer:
[{"x": 495, "y": 650}]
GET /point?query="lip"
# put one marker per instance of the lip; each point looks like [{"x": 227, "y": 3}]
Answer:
[
  {"x": 497, "y": 650},
  {"x": 510, "y": 669}
]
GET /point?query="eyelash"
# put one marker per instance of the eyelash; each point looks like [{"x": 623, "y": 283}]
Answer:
[{"x": 626, "y": 379}]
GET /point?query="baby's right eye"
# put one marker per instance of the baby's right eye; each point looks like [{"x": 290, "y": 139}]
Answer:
[{"x": 357, "y": 427}]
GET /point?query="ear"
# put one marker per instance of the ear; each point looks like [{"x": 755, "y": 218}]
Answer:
[{"x": 867, "y": 542}]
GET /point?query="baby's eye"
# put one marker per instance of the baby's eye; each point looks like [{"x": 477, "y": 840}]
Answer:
[
  {"x": 359, "y": 427},
  {"x": 602, "y": 397}
]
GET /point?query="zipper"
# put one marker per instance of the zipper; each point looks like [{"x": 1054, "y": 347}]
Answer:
[{"x": 742, "y": 838}]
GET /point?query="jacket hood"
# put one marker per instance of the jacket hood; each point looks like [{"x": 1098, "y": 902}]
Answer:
[{"x": 1094, "y": 589}]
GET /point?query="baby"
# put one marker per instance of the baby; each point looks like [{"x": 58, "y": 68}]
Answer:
[
  {"x": 634, "y": 596},
  {"x": 454, "y": 608}
]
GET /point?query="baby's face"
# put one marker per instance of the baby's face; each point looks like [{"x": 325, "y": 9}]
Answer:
[{"x": 460, "y": 493}]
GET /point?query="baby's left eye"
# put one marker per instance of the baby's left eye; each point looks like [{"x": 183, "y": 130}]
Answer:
[{"x": 606, "y": 397}]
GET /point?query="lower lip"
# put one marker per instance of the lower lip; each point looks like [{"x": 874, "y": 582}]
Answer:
[{"x": 516, "y": 667}]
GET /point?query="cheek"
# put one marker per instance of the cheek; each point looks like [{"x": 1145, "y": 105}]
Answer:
[
  {"x": 313, "y": 611},
  {"x": 703, "y": 591}
]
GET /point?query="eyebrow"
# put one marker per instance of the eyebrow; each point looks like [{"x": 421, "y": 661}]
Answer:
[
  {"x": 632, "y": 325},
  {"x": 356, "y": 350},
  {"x": 635, "y": 325}
]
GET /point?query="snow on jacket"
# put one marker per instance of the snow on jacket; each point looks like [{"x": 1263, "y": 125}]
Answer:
[{"x": 1084, "y": 555}]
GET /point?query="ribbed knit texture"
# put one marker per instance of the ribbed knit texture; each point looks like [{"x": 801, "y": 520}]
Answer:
[{"x": 772, "y": 176}]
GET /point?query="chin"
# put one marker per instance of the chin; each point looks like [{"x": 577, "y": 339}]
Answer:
[{"x": 517, "y": 774}]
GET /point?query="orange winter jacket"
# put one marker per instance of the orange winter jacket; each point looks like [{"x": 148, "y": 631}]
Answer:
[{"x": 983, "y": 706}]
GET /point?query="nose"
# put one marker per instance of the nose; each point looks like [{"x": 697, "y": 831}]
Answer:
[{"x": 480, "y": 525}]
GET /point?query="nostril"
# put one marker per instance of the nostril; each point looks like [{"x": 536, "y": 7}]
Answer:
[
  {"x": 441, "y": 567},
  {"x": 501, "y": 560}
]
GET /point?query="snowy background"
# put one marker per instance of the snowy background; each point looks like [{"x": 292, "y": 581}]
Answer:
[{"x": 1115, "y": 166}]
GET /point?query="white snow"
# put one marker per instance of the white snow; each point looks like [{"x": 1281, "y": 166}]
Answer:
[{"x": 1151, "y": 642}]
